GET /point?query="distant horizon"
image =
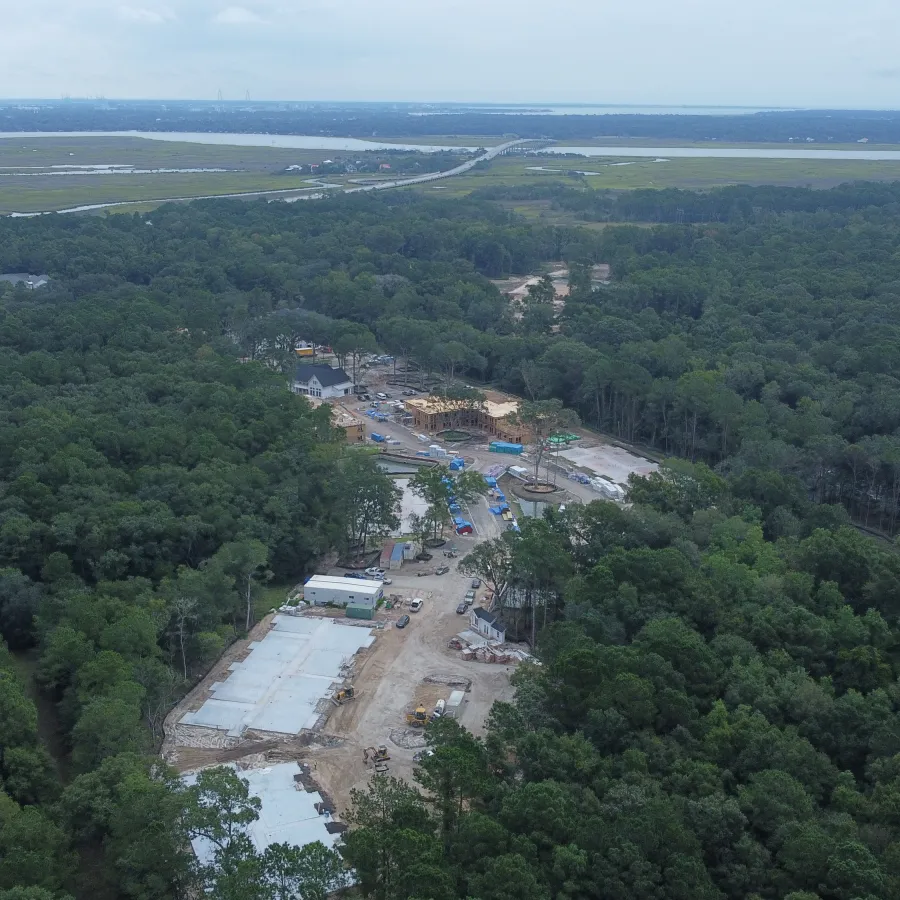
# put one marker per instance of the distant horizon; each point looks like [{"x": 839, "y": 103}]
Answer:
[{"x": 467, "y": 104}]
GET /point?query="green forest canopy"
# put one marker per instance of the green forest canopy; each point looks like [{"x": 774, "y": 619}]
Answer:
[{"x": 716, "y": 711}]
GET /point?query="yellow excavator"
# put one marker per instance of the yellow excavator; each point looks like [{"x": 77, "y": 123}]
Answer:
[
  {"x": 344, "y": 695},
  {"x": 417, "y": 719},
  {"x": 377, "y": 754}
]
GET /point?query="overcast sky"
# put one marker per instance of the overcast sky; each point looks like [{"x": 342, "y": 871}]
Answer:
[{"x": 726, "y": 52}]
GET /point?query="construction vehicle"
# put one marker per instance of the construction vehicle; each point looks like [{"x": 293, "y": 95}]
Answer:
[
  {"x": 418, "y": 719},
  {"x": 344, "y": 695},
  {"x": 377, "y": 754}
]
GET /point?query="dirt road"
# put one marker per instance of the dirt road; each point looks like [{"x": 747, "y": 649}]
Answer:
[{"x": 390, "y": 682}]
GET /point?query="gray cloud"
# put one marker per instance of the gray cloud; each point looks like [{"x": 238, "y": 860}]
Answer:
[
  {"x": 238, "y": 15},
  {"x": 145, "y": 16},
  {"x": 728, "y": 52}
]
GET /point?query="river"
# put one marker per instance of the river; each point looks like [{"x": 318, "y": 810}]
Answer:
[
  {"x": 314, "y": 142},
  {"x": 587, "y": 110},
  {"x": 284, "y": 141},
  {"x": 727, "y": 152}
]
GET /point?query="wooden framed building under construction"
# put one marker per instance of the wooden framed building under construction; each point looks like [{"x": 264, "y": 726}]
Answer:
[{"x": 435, "y": 414}]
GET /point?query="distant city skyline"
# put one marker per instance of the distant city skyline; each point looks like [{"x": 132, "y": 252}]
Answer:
[{"x": 771, "y": 53}]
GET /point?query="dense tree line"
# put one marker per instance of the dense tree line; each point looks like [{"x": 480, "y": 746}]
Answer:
[
  {"x": 715, "y": 717},
  {"x": 762, "y": 340},
  {"x": 151, "y": 484},
  {"x": 734, "y": 205},
  {"x": 368, "y": 121},
  {"x": 156, "y": 472}
]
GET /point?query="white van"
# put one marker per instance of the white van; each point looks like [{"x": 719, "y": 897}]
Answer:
[{"x": 381, "y": 396}]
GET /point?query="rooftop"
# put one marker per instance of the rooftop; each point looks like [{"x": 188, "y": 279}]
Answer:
[
  {"x": 360, "y": 585},
  {"x": 491, "y": 618},
  {"x": 24, "y": 278},
  {"x": 432, "y": 405},
  {"x": 326, "y": 375},
  {"x": 345, "y": 420}
]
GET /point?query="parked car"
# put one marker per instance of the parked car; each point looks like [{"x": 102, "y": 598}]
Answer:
[
  {"x": 423, "y": 572},
  {"x": 403, "y": 621},
  {"x": 381, "y": 396},
  {"x": 461, "y": 608},
  {"x": 375, "y": 572},
  {"x": 386, "y": 581},
  {"x": 386, "y": 396},
  {"x": 443, "y": 570},
  {"x": 416, "y": 605},
  {"x": 470, "y": 595},
  {"x": 354, "y": 575},
  {"x": 476, "y": 583}
]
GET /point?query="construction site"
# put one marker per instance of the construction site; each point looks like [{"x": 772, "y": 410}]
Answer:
[{"x": 314, "y": 704}]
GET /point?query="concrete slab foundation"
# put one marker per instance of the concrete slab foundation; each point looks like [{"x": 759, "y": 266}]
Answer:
[
  {"x": 287, "y": 814},
  {"x": 280, "y": 684},
  {"x": 613, "y": 462}
]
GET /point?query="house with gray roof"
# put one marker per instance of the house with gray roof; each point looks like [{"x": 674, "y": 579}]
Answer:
[
  {"x": 30, "y": 281},
  {"x": 321, "y": 381}
]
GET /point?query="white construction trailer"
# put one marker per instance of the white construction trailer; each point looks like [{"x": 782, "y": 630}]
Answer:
[{"x": 320, "y": 590}]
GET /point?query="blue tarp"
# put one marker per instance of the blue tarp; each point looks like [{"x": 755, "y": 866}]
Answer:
[
  {"x": 397, "y": 553},
  {"x": 491, "y": 482},
  {"x": 504, "y": 447},
  {"x": 456, "y": 465}
]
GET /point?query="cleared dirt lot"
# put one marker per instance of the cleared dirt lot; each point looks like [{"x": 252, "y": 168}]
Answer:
[
  {"x": 389, "y": 678},
  {"x": 390, "y": 682}
]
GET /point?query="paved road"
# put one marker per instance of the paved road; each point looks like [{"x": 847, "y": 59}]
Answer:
[
  {"x": 318, "y": 195},
  {"x": 436, "y": 176}
]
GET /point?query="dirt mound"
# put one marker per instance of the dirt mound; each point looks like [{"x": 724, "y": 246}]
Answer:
[
  {"x": 409, "y": 740},
  {"x": 456, "y": 681}
]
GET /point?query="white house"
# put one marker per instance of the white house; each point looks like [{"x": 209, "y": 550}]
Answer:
[
  {"x": 322, "y": 381},
  {"x": 30, "y": 281},
  {"x": 487, "y": 624}
]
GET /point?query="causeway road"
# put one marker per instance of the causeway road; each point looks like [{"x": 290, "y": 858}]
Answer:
[{"x": 436, "y": 176}]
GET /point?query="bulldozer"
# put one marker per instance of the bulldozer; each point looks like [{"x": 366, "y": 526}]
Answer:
[
  {"x": 418, "y": 719},
  {"x": 377, "y": 754},
  {"x": 344, "y": 695}
]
